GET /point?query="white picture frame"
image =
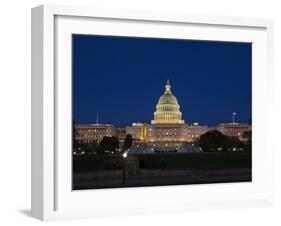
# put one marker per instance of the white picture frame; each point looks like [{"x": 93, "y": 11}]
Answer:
[{"x": 52, "y": 197}]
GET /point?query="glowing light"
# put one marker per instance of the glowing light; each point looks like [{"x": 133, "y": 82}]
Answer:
[{"x": 125, "y": 154}]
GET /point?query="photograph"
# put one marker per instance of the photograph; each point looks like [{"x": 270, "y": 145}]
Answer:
[{"x": 150, "y": 111}]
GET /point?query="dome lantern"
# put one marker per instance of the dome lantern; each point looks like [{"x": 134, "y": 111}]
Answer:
[{"x": 168, "y": 87}]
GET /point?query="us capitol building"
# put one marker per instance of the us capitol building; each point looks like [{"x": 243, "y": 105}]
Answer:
[{"x": 167, "y": 132}]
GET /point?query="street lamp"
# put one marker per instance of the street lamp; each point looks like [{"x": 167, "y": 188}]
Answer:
[{"x": 124, "y": 155}]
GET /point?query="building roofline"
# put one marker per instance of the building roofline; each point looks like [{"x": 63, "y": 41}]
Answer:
[{"x": 94, "y": 124}]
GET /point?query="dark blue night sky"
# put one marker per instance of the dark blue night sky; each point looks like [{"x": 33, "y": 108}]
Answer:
[{"x": 122, "y": 78}]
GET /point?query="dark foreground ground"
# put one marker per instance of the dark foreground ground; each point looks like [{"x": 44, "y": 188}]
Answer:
[{"x": 93, "y": 172}]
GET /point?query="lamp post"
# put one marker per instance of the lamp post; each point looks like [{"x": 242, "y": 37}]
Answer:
[{"x": 124, "y": 155}]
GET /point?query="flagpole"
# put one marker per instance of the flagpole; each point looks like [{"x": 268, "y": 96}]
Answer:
[
  {"x": 233, "y": 117},
  {"x": 97, "y": 122}
]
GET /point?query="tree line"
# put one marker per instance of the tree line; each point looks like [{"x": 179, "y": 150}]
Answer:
[
  {"x": 211, "y": 141},
  {"x": 108, "y": 145}
]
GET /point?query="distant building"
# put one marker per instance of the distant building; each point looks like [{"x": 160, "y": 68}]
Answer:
[
  {"x": 89, "y": 133},
  {"x": 121, "y": 134},
  {"x": 195, "y": 131},
  {"x": 233, "y": 129},
  {"x": 167, "y": 131},
  {"x": 137, "y": 130}
]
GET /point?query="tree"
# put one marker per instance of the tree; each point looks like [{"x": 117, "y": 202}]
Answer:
[
  {"x": 213, "y": 141},
  {"x": 76, "y": 146},
  {"x": 234, "y": 142},
  {"x": 247, "y": 139},
  {"x": 108, "y": 145},
  {"x": 89, "y": 147},
  {"x": 247, "y": 136},
  {"x": 128, "y": 142}
]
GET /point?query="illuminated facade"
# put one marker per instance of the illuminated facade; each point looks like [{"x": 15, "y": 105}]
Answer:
[
  {"x": 233, "y": 129},
  {"x": 121, "y": 134},
  {"x": 167, "y": 109},
  {"x": 167, "y": 130},
  {"x": 89, "y": 133},
  {"x": 138, "y": 132}
]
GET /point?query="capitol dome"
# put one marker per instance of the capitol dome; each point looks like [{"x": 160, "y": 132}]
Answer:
[{"x": 167, "y": 109}]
